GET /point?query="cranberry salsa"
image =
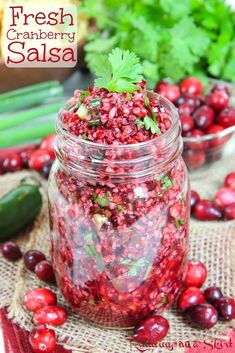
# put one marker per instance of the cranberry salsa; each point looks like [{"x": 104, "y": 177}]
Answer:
[{"x": 119, "y": 198}]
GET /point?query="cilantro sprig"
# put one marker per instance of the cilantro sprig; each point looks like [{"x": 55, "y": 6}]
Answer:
[{"x": 119, "y": 71}]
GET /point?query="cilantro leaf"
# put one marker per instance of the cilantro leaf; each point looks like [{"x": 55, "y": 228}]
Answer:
[
  {"x": 102, "y": 201},
  {"x": 167, "y": 183},
  {"x": 150, "y": 124},
  {"x": 119, "y": 71}
]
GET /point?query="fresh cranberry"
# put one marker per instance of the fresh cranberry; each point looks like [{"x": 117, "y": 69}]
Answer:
[
  {"x": 220, "y": 88},
  {"x": 196, "y": 274},
  {"x": 216, "y": 129},
  {"x": 38, "y": 298},
  {"x": 225, "y": 197},
  {"x": 48, "y": 144},
  {"x": 12, "y": 163},
  {"x": 217, "y": 100},
  {"x": 187, "y": 123},
  {"x": 226, "y": 308},
  {"x": 229, "y": 181},
  {"x": 198, "y": 144},
  {"x": 170, "y": 92},
  {"x": 204, "y": 117},
  {"x": 162, "y": 83},
  {"x": 44, "y": 271},
  {"x": 39, "y": 158},
  {"x": 42, "y": 339},
  {"x": 212, "y": 294},
  {"x": 191, "y": 85},
  {"x": 151, "y": 330},
  {"x": 194, "y": 159},
  {"x": 32, "y": 258},
  {"x": 226, "y": 117},
  {"x": 206, "y": 210},
  {"x": 185, "y": 109},
  {"x": 189, "y": 297},
  {"x": 204, "y": 316},
  {"x": 195, "y": 198},
  {"x": 50, "y": 315},
  {"x": 26, "y": 155},
  {"x": 229, "y": 212},
  {"x": 11, "y": 251},
  {"x": 192, "y": 101}
]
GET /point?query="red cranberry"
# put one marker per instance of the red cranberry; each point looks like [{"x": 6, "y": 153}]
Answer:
[
  {"x": 230, "y": 181},
  {"x": 194, "y": 159},
  {"x": 220, "y": 88},
  {"x": 195, "y": 198},
  {"x": 44, "y": 271},
  {"x": 26, "y": 155},
  {"x": 12, "y": 163},
  {"x": 226, "y": 308},
  {"x": 212, "y": 294},
  {"x": 189, "y": 297},
  {"x": 198, "y": 144},
  {"x": 226, "y": 117},
  {"x": 45, "y": 171},
  {"x": 162, "y": 83},
  {"x": 11, "y": 251},
  {"x": 192, "y": 101},
  {"x": 224, "y": 197},
  {"x": 38, "y": 298},
  {"x": 151, "y": 330},
  {"x": 204, "y": 316},
  {"x": 170, "y": 92},
  {"x": 191, "y": 85},
  {"x": 48, "y": 144},
  {"x": 42, "y": 339},
  {"x": 217, "y": 100},
  {"x": 32, "y": 258},
  {"x": 187, "y": 123},
  {"x": 229, "y": 212},
  {"x": 216, "y": 129},
  {"x": 196, "y": 274},
  {"x": 50, "y": 315},
  {"x": 185, "y": 109},
  {"x": 39, "y": 158},
  {"x": 204, "y": 117},
  {"x": 206, "y": 210}
]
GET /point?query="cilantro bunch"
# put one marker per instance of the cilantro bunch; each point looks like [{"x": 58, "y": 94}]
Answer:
[{"x": 172, "y": 38}]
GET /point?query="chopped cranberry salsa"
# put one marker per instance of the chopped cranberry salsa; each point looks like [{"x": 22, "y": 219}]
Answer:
[
  {"x": 119, "y": 218},
  {"x": 116, "y": 118}
]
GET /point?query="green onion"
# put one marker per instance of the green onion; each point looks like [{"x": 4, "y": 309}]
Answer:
[
  {"x": 22, "y": 134},
  {"x": 27, "y": 96},
  {"x": 94, "y": 123},
  {"x": 23, "y": 116}
]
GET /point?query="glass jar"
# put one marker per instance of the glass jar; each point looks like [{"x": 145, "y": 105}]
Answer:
[{"x": 119, "y": 224}]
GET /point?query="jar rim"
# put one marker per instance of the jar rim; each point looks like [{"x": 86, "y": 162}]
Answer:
[{"x": 61, "y": 128}]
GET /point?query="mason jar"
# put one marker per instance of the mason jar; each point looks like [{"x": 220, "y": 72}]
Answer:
[{"x": 119, "y": 218}]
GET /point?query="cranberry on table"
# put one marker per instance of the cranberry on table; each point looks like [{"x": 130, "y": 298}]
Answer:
[
  {"x": 217, "y": 100},
  {"x": 11, "y": 251},
  {"x": 195, "y": 198},
  {"x": 170, "y": 92},
  {"x": 12, "y": 163},
  {"x": 191, "y": 85},
  {"x": 225, "y": 197},
  {"x": 189, "y": 297},
  {"x": 212, "y": 294},
  {"x": 206, "y": 210},
  {"x": 32, "y": 258},
  {"x": 226, "y": 117},
  {"x": 195, "y": 274},
  {"x": 45, "y": 272},
  {"x": 194, "y": 159},
  {"x": 42, "y": 339},
  {"x": 187, "y": 123},
  {"x": 229, "y": 212},
  {"x": 38, "y": 298},
  {"x": 204, "y": 117},
  {"x": 39, "y": 158},
  {"x": 229, "y": 181},
  {"x": 204, "y": 316},
  {"x": 151, "y": 330},
  {"x": 48, "y": 144},
  {"x": 50, "y": 315},
  {"x": 226, "y": 308}
]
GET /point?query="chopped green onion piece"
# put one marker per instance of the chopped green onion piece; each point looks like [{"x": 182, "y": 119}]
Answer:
[
  {"x": 95, "y": 102},
  {"x": 102, "y": 201},
  {"x": 94, "y": 122},
  {"x": 82, "y": 112}
]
